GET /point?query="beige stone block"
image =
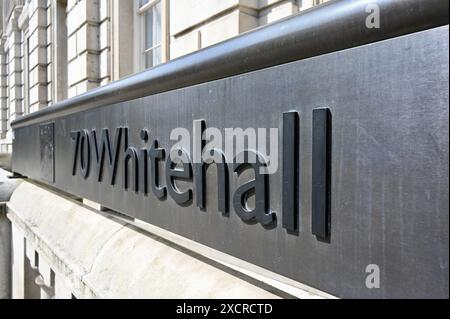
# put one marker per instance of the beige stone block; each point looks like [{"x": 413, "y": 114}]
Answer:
[
  {"x": 3, "y": 70},
  {"x": 153, "y": 268},
  {"x": 11, "y": 41},
  {"x": 38, "y": 75},
  {"x": 105, "y": 81},
  {"x": 220, "y": 29},
  {"x": 74, "y": 72},
  {"x": 73, "y": 19},
  {"x": 3, "y": 125},
  {"x": 185, "y": 44},
  {"x": 263, "y": 4},
  {"x": 15, "y": 51},
  {"x": 306, "y": 4},
  {"x": 37, "y": 38},
  {"x": 49, "y": 15},
  {"x": 15, "y": 78},
  {"x": 49, "y": 73},
  {"x": 71, "y": 4},
  {"x": 12, "y": 31},
  {"x": 83, "y": 12},
  {"x": 35, "y": 4},
  {"x": 38, "y": 57},
  {"x": 3, "y": 80},
  {"x": 15, "y": 93},
  {"x": 277, "y": 12},
  {"x": 15, "y": 65},
  {"x": 62, "y": 289},
  {"x": 3, "y": 114},
  {"x": 105, "y": 7},
  {"x": 85, "y": 86},
  {"x": 3, "y": 93},
  {"x": 49, "y": 49},
  {"x": 105, "y": 63},
  {"x": 15, "y": 107},
  {"x": 38, "y": 94},
  {"x": 72, "y": 91},
  {"x": 87, "y": 38},
  {"x": 247, "y": 22},
  {"x": 49, "y": 35},
  {"x": 37, "y": 106},
  {"x": 72, "y": 50},
  {"x": 37, "y": 19},
  {"x": 83, "y": 67},
  {"x": 188, "y": 13},
  {"x": 50, "y": 93},
  {"x": 105, "y": 35}
]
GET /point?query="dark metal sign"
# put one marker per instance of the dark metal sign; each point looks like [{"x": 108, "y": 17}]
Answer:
[
  {"x": 96, "y": 155},
  {"x": 342, "y": 165}
]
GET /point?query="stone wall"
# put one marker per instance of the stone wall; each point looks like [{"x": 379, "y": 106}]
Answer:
[
  {"x": 54, "y": 49},
  {"x": 194, "y": 26}
]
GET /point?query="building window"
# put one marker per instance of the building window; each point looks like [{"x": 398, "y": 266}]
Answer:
[
  {"x": 150, "y": 23},
  {"x": 25, "y": 72}
]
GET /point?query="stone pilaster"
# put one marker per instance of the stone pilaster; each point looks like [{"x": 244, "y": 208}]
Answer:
[
  {"x": 13, "y": 46},
  {"x": 105, "y": 42},
  {"x": 83, "y": 30},
  {"x": 3, "y": 90},
  {"x": 38, "y": 55}
]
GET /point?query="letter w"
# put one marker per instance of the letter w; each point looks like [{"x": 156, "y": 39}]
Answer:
[{"x": 111, "y": 154}]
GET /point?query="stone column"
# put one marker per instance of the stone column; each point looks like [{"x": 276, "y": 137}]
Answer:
[
  {"x": 14, "y": 48},
  {"x": 122, "y": 40},
  {"x": 83, "y": 46},
  {"x": 58, "y": 30},
  {"x": 3, "y": 91},
  {"x": 37, "y": 55},
  {"x": 105, "y": 42}
]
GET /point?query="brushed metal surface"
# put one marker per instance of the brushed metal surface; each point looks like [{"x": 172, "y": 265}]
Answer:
[{"x": 390, "y": 147}]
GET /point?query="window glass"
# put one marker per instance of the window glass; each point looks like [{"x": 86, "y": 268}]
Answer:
[
  {"x": 143, "y": 2},
  {"x": 152, "y": 35},
  {"x": 152, "y": 57},
  {"x": 149, "y": 29}
]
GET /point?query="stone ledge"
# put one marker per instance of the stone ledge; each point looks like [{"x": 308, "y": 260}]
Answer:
[
  {"x": 103, "y": 257},
  {"x": 7, "y": 185}
]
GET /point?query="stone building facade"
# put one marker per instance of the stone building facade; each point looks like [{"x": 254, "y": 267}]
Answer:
[{"x": 51, "y": 50}]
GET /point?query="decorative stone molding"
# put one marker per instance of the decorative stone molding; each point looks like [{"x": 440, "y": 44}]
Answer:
[{"x": 112, "y": 258}]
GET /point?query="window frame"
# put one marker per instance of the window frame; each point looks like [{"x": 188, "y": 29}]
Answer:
[{"x": 140, "y": 36}]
